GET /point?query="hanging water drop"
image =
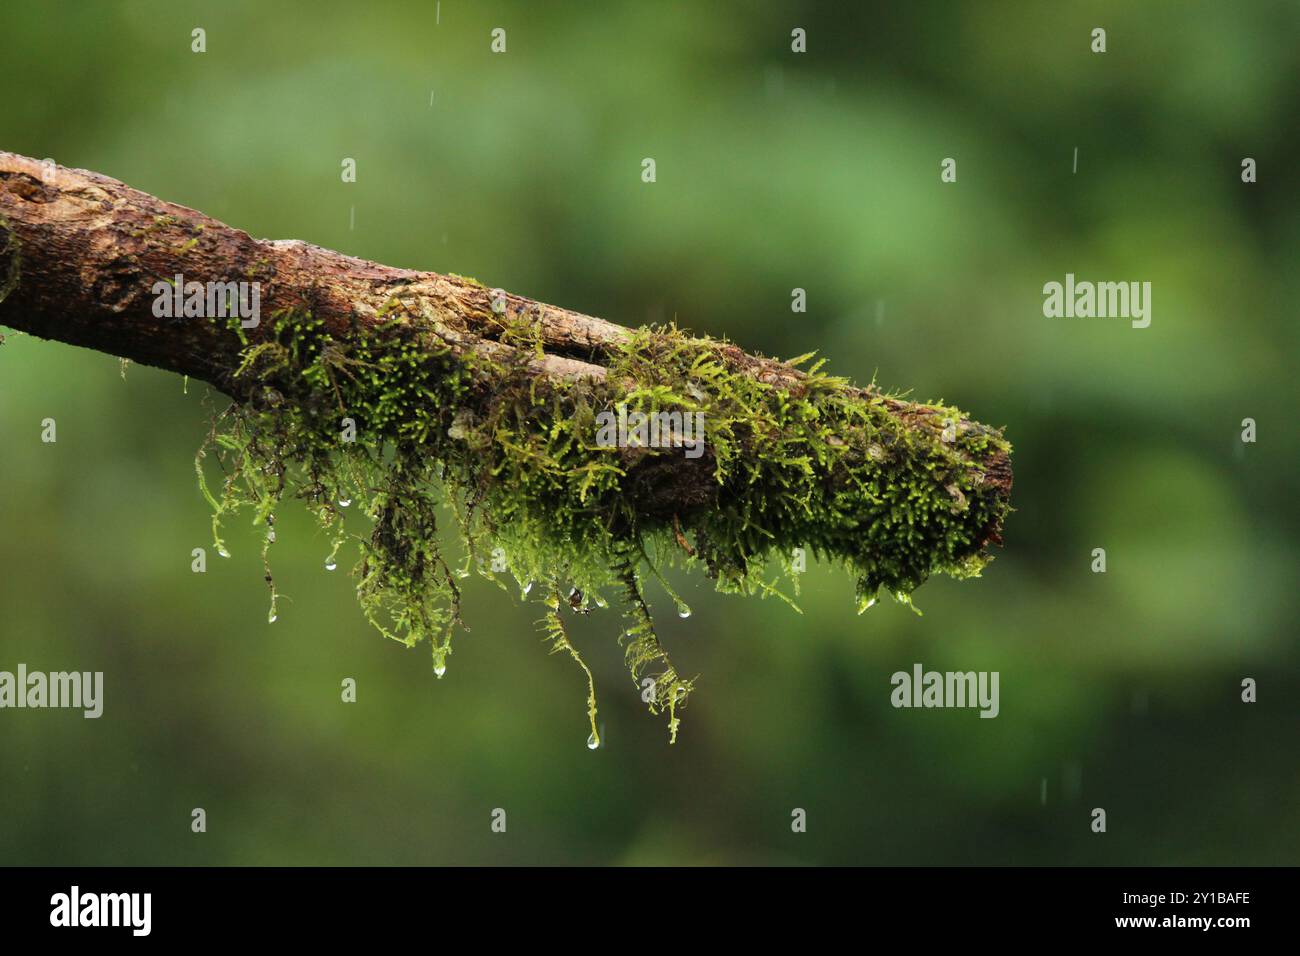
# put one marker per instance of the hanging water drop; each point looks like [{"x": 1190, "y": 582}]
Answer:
[
  {"x": 439, "y": 669},
  {"x": 683, "y": 611},
  {"x": 271, "y": 618},
  {"x": 221, "y": 550},
  {"x": 593, "y": 741},
  {"x": 523, "y": 591},
  {"x": 270, "y": 536},
  {"x": 344, "y": 502},
  {"x": 330, "y": 564}
]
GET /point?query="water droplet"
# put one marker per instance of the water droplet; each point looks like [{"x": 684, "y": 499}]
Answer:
[
  {"x": 600, "y": 601},
  {"x": 344, "y": 502},
  {"x": 593, "y": 741},
  {"x": 463, "y": 573},
  {"x": 523, "y": 591},
  {"x": 223, "y": 552},
  {"x": 270, "y": 536},
  {"x": 330, "y": 564},
  {"x": 271, "y": 618},
  {"x": 439, "y": 669},
  {"x": 683, "y": 611}
]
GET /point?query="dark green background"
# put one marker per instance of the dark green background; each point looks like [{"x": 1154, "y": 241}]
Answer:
[{"x": 774, "y": 171}]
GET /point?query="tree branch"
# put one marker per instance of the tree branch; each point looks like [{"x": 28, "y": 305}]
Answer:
[
  {"x": 85, "y": 251},
  {"x": 92, "y": 248},
  {"x": 487, "y": 402}
]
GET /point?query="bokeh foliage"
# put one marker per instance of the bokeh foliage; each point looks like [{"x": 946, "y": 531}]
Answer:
[{"x": 774, "y": 171}]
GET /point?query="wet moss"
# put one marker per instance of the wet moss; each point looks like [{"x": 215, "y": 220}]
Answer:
[{"x": 511, "y": 457}]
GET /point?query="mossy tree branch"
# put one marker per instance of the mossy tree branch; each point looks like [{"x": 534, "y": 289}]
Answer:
[{"x": 492, "y": 397}]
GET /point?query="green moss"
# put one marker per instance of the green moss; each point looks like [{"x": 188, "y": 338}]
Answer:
[
  {"x": 159, "y": 223},
  {"x": 513, "y": 460}
]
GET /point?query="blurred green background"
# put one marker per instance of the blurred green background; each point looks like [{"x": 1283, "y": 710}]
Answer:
[{"x": 775, "y": 171}]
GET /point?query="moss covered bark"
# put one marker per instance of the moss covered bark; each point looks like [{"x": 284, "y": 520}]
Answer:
[{"x": 387, "y": 400}]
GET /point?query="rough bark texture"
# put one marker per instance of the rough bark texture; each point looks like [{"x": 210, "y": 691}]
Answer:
[{"x": 85, "y": 250}]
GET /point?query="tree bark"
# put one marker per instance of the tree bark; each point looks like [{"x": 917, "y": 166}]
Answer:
[{"x": 80, "y": 253}]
